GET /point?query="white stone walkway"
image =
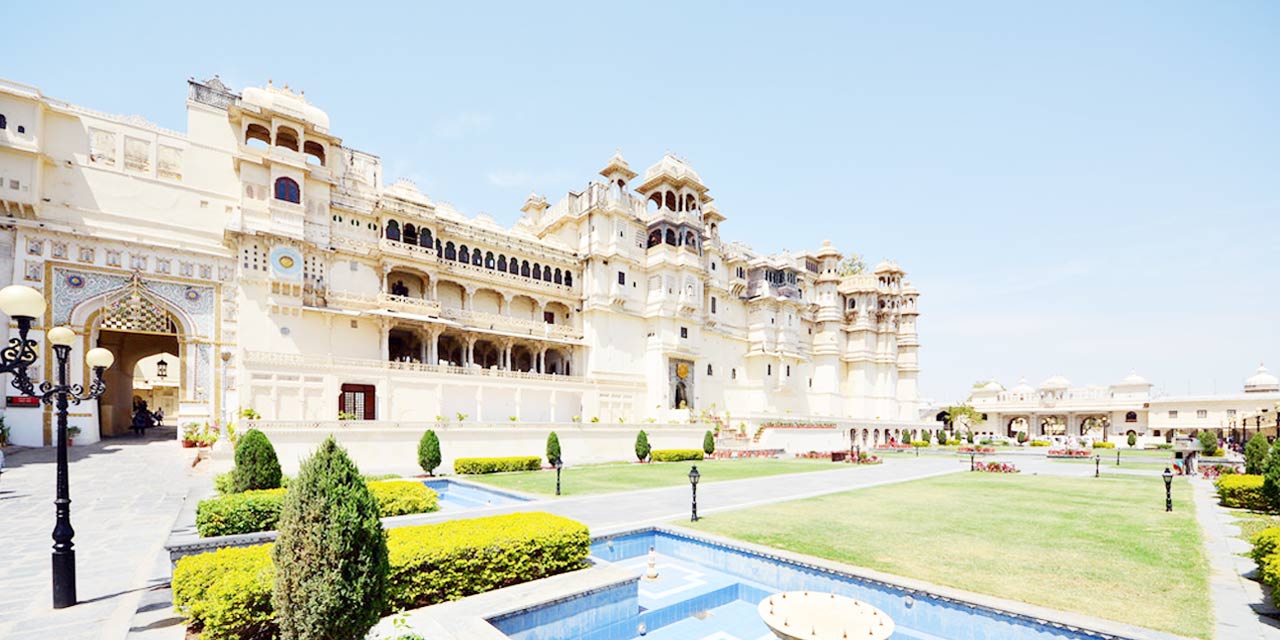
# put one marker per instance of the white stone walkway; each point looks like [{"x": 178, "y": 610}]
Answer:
[
  {"x": 125, "y": 495},
  {"x": 1240, "y": 608}
]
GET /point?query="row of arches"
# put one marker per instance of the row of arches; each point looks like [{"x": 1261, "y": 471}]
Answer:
[
  {"x": 422, "y": 236},
  {"x": 259, "y": 136},
  {"x": 674, "y": 236},
  {"x": 464, "y": 350},
  {"x": 671, "y": 201},
  {"x": 484, "y": 299}
]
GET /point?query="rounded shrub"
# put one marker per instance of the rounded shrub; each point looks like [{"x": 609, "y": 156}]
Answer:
[
  {"x": 226, "y": 594},
  {"x": 331, "y": 552},
  {"x": 709, "y": 443},
  {"x": 1208, "y": 442},
  {"x": 1022, "y": 437},
  {"x": 1132, "y": 440},
  {"x": 401, "y": 497},
  {"x": 1255, "y": 454},
  {"x": 642, "y": 446},
  {"x": 553, "y": 448},
  {"x": 256, "y": 464},
  {"x": 429, "y": 452}
]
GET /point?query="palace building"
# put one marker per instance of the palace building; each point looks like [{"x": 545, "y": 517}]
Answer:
[
  {"x": 269, "y": 267},
  {"x": 1057, "y": 408}
]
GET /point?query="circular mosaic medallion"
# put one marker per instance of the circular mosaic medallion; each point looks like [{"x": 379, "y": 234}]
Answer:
[
  {"x": 286, "y": 262},
  {"x": 192, "y": 295},
  {"x": 75, "y": 281}
]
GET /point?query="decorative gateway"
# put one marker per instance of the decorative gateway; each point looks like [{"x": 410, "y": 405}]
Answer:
[{"x": 134, "y": 310}]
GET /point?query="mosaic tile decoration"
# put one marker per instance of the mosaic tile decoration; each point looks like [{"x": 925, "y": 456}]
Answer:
[{"x": 196, "y": 301}]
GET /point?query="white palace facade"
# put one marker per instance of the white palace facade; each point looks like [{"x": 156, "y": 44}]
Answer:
[
  {"x": 1057, "y": 408},
  {"x": 269, "y": 267}
]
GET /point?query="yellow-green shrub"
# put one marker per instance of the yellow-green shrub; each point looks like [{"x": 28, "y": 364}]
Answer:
[
  {"x": 1265, "y": 543},
  {"x": 438, "y": 562},
  {"x": 1104, "y": 445},
  {"x": 400, "y": 497},
  {"x": 1241, "y": 491},
  {"x": 919, "y": 443},
  {"x": 473, "y": 466},
  {"x": 227, "y": 593},
  {"x": 675, "y": 455},
  {"x": 253, "y": 511},
  {"x": 1040, "y": 443}
]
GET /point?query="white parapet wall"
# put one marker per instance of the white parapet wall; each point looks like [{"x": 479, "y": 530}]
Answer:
[
  {"x": 804, "y": 440},
  {"x": 378, "y": 446}
]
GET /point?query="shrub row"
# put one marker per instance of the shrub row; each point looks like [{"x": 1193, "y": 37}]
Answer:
[
  {"x": 1040, "y": 443},
  {"x": 919, "y": 443},
  {"x": 496, "y": 465},
  {"x": 227, "y": 593},
  {"x": 675, "y": 455},
  {"x": 1241, "y": 492},
  {"x": 253, "y": 511},
  {"x": 1104, "y": 445},
  {"x": 1266, "y": 553}
]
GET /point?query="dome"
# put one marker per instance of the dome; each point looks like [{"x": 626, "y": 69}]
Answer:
[
  {"x": 992, "y": 386},
  {"x": 1262, "y": 381},
  {"x": 286, "y": 102},
  {"x": 1056, "y": 382},
  {"x": 1022, "y": 387},
  {"x": 887, "y": 266},
  {"x": 405, "y": 189},
  {"x": 674, "y": 168},
  {"x": 1134, "y": 380},
  {"x": 619, "y": 164}
]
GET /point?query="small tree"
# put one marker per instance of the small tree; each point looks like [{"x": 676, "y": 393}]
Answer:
[
  {"x": 1208, "y": 442},
  {"x": 642, "y": 446},
  {"x": 1022, "y": 437},
  {"x": 553, "y": 448},
  {"x": 1255, "y": 454},
  {"x": 1133, "y": 441},
  {"x": 429, "y": 452},
  {"x": 1271, "y": 477},
  {"x": 708, "y": 443},
  {"x": 330, "y": 556},
  {"x": 256, "y": 464},
  {"x": 968, "y": 436}
]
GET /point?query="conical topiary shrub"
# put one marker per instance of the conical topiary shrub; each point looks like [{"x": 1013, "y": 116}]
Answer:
[
  {"x": 553, "y": 448},
  {"x": 330, "y": 556},
  {"x": 709, "y": 443},
  {"x": 429, "y": 452},
  {"x": 642, "y": 446},
  {"x": 256, "y": 464}
]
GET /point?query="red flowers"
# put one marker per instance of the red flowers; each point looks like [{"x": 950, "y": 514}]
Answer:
[
  {"x": 995, "y": 467},
  {"x": 1070, "y": 453}
]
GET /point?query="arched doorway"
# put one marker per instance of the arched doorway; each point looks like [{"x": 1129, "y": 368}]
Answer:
[
  {"x": 155, "y": 382},
  {"x": 135, "y": 329}
]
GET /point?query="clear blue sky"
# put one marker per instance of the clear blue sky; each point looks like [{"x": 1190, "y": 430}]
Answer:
[{"x": 1081, "y": 188}]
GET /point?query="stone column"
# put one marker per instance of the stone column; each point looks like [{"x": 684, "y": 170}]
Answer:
[
  {"x": 384, "y": 341},
  {"x": 471, "y": 345}
]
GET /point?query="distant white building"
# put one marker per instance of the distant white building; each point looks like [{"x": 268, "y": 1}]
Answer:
[
  {"x": 1056, "y": 408},
  {"x": 272, "y": 262}
]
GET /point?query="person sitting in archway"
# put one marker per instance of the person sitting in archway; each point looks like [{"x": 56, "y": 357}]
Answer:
[{"x": 142, "y": 419}]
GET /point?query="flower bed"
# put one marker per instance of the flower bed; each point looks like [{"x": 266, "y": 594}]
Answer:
[
  {"x": 897, "y": 446},
  {"x": 1214, "y": 471},
  {"x": 995, "y": 467},
  {"x": 978, "y": 449},
  {"x": 798, "y": 425},
  {"x": 735, "y": 454},
  {"x": 1070, "y": 453}
]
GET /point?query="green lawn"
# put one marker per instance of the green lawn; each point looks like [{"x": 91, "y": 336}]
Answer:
[
  {"x": 604, "y": 478},
  {"x": 1103, "y": 547}
]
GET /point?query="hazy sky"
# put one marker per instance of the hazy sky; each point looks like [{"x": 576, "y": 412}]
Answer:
[{"x": 1080, "y": 188}]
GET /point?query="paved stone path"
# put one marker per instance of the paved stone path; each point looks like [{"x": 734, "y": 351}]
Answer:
[
  {"x": 1240, "y": 608},
  {"x": 125, "y": 494}
]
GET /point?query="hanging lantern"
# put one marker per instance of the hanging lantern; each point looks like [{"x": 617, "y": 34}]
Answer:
[{"x": 162, "y": 369}]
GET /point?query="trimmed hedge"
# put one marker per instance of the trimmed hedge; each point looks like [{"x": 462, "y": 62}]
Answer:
[
  {"x": 1266, "y": 553},
  {"x": 1241, "y": 492},
  {"x": 438, "y": 562},
  {"x": 253, "y": 511},
  {"x": 676, "y": 455},
  {"x": 1104, "y": 445},
  {"x": 227, "y": 593},
  {"x": 920, "y": 443},
  {"x": 472, "y": 466},
  {"x": 1040, "y": 443}
]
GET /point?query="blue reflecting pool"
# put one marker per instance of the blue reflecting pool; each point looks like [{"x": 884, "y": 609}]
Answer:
[
  {"x": 707, "y": 590},
  {"x": 455, "y": 496}
]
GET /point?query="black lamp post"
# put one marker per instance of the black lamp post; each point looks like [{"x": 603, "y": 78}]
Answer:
[
  {"x": 971, "y": 462},
  {"x": 1097, "y": 465},
  {"x": 1117, "y": 457},
  {"x": 24, "y": 305},
  {"x": 1168, "y": 489},
  {"x": 917, "y": 451},
  {"x": 693, "y": 483},
  {"x": 559, "y": 466}
]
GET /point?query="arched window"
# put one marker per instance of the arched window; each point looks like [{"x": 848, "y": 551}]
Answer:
[
  {"x": 4, "y": 122},
  {"x": 476, "y": 258},
  {"x": 568, "y": 279},
  {"x": 671, "y": 201},
  {"x": 410, "y": 234},
  {"x": 464, "y": 254},
  {"x": 449, "y": 252},
  {"x": 489, "y": 262},
  {"x": 537, "y": 271},
  {"x": 424, "y": 237},
  {"x": 655, "y": 237},
  {"x": 287, "y": 138},
  {"x": 689, "y": 240},
  {"x": 1131, "y": 416},
  {"x": 314, "y": 151},
  {"x": 287, "y": 190},
  {"x": 502, "y": 264},
  {"x": 257, "y": 133},
  {"x": 559, "y": 279},
  {"x": 524, "y": 268},
  {"x": 393, "y": 230},
  {"x": 546, "y": 274},
  {"x": 671, "y": 237}
]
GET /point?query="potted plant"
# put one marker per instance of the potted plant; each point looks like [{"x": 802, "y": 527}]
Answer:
[
  {"x": 72, "y": 432},
  {"x": 189, "y": 436}
]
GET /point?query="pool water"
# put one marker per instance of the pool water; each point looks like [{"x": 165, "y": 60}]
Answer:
[
  {"x": 456, "y": 496},
  {"x": 706, "y": 590}
]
